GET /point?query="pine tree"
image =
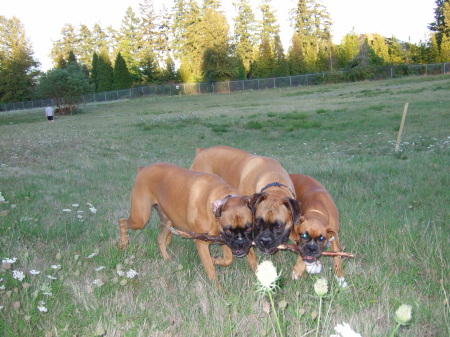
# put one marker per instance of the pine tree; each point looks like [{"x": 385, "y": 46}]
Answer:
[
  {"x": 395, "y": 52},
  {"x": 130, "y": 42},
  {"x": 265, "y": 63},
  {"x": 18, "y": 68},
  {"x": 348, "y": 49},
  {"x": 69, "y": 41},
  {"x": 94, "y": 71},
  {"x": 85, "y": 49},
  {"x": 281, "y": 67},
  {"x": 122, "y": 77},
  {"x": 105, "y": 72},
  {"x": 441, "y": 24},
  {"x": 296, "y": 60},
  {"x": 244, "y": 30}
]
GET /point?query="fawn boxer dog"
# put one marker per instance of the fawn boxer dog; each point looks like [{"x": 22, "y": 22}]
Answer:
[
  {"x": 319, "y": 224},
  {"x": 191, "y": 202},
  {"x": 275, "y": 209}
]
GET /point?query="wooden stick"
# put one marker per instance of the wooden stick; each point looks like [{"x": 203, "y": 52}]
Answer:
[
  {"x": 400, "y": 131},
  {"x": 218, "y": 239}
]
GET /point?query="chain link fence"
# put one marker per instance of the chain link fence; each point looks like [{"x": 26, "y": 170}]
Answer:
[{"x": 353, "y": 75}]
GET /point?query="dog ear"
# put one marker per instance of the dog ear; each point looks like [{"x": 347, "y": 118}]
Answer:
[
  {"x": 246, "y": 199},
  {"x": 217, "y": 206},
  {"x": 255, "y": 199},
  {"x": 295, "y": 207}
]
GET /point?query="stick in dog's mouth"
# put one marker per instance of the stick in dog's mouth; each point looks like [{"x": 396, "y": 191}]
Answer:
[{"x": 219, "y": 240}]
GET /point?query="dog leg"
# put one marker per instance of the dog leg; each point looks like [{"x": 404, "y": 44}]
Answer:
[
  {"x": 226, "y": 259},
  {"x": 251, "y": 259},
  {"x": 164, "y": 238},
  {"x": 299, "y": 268},
  {"x": 337, "y": 262},
  {"x": 205, "y": 257}
]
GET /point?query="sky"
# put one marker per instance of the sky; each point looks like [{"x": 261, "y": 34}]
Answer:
[{"x": 43, "y": 20}]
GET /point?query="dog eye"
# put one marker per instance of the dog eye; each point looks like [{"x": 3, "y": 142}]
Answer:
[
  {"x": 321, "y": 238},
  {"x": 305, "y": 236},
  {"x": 279, "y": 226},
  {"x": 248, "y": 230},
  {"x": 228, "y": 231}
]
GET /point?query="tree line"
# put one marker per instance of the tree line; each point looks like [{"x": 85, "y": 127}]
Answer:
[{"x": 193, "y": 42}]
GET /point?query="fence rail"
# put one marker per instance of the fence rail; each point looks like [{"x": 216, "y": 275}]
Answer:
[{"x": 356, "y": 74}]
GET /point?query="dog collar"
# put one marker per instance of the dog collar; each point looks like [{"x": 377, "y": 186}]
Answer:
[{"x": 278, "y": 185}]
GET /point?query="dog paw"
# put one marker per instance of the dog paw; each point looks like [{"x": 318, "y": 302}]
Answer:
[
  {"x": 294, "y": 276},
  {"x": 341, "y": 282},
  {"x": 314, "y": 268}
]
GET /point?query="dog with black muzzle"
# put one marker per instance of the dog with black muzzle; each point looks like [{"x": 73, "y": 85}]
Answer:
[
  {"x": 193, "y": 202},
  {"x": 275, "y": 209},
  {"x": 319, "y": 226}
]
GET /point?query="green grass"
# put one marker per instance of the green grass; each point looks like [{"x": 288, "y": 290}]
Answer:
[{"x": 394, "y": 212}]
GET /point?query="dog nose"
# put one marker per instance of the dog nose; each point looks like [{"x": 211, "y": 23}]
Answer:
[
  {"x": 312, "y": 249},
  {"x": 266, "y": 240}
]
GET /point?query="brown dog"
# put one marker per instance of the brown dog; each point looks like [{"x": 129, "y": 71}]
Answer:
[
  {"x": 191, "y": 202},
  {"x": 319, "y": 224},
  {"x": 273, "y": 203}
]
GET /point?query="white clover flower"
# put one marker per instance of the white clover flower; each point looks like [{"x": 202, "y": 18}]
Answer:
[
  {"x": 2, "y": 287},
  {"x": 10, "y": 261},
  {"x": 344, "y": 330},
  {"x": 41, "y": 307},
  {"x": 131, "y": 274},
  {"x": 98, "y": 282},
  {"x": 403, "y": 314},
  {"x": 55, "y": 266},
  {"x": 100, "y": 268},
  {"x": 51, "y": 277},
  {"x": 18, "y": 275},
  {"x": 75, "y": 205},
  {"x": 267, "y": 275},
  {"x": 79, "y": 216},
  {"x": 2, "y": 199},
  {"x": 34, "y": 272},
  {"x": 67, "y": 210},
  {"x": 120, "y": 273},
  {"x": 92, "y": 255},
  {"x": 93, "y": 210},
  {"x": 321, "y": 287}
]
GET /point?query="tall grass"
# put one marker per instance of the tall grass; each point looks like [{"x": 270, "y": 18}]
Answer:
[{"x": 394, "y": 213}]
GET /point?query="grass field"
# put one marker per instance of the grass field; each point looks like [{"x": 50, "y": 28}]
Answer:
[{"x": 67, "y": 183}]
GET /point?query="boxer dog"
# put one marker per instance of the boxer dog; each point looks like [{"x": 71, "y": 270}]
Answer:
[
  {"x": 319, "y": 225},
  {"x": 275, "y": 209},
  {"x": 191, "y": 202}
]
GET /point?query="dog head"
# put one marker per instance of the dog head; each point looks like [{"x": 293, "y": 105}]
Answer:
[
  {"x": 273, "y": 217},
  {"x": 234, "y": 217},
  {"x": 311, "y": 236}
]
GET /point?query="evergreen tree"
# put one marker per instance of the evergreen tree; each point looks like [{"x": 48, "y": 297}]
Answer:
[
  {"x": 244, "y": 30},
  {"x": 348, "y": 50},
  {"x": 60, "y": 61},
  {"x": 17, "y": 65},
  {"x": 85, "y": 49},
  {"x": 130, "y": 42},
  {"x": 281, "y": 67},
  {"x": 265, "y": 63},
  {"x": 379, "y": 49},
  {"x": 122, "y": 77},
  {"x": 169, "y": 73},
  {"x": 214, "y": 44},
  {"x": 149, "y": 68},
  {"x": 94, "y": 71},
  {"x": 296, "y": 60},
  {"x": 69, "y": 41},
  {"x": 99, "y": 38},
  {"x": 105, "y": 75},
  {"x": 395, "y": 52},
  {"x": 441, "y": 24},
  {"x": 445, "y": 49}
]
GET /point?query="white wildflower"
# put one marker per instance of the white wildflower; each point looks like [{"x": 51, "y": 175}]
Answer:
[
  {"x": 47, "y": 294},
  {"x": 2, "y": 199},
  {"x": 67, "y": 210},
  {"x": 34, "y": 272},
  {"x": 93, "y": 210},
  {"x": 120, "y": 273},
  {"x": 41, "y": 307},
  {"x": 18, "y": 275},
  {"x": 75, "y": 205},
  {"x": 79, "y": 216},
  {"x": 10, "y": 261},
  {"x": 2, "y": 287},
  {"x": 55, "y": 266},
  {"x": 403, "y": 314},
  {"x": 344, "y": 330},
  {"x": 267, "y": 275},
  {"x": 100, "y": 268},
  {"x": 51, "y": 277},
  {"x": 1, "y": 307},
  {"x": 98, "y": 282},
  {"x": 92, "y": 255},
  {"x": 321, "y": 287},
  {"x": 131, "y": 273}
]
